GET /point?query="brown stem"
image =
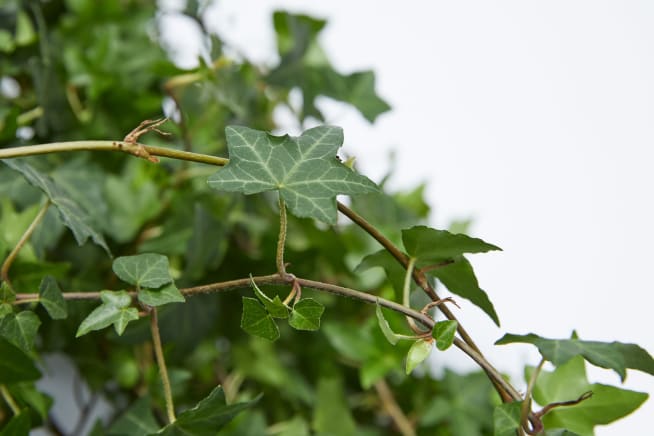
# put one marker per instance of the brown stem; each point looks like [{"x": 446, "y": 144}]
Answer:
[{"x": 393, "y": 409}]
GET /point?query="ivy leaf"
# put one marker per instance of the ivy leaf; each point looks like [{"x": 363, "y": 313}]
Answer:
[
  {"x": 143, "y": 270},
  {"x": 506, "y": 418},
  {"x": 419, "y": 351},
  {"x": 303, "y": 169},
  {"x": 389, "y": 334},
  {"x": 568, "y": 382},
  {"x": 51, "y": 298},
  {"x": 158, "y": 297},
  {"x": 20, "y": 329},
  {"x": 306, "y": 315},
  {"x": 136, "y": 420},
  {"x": 444, "y": 332},
  {"x": 275, "y": 306},
  {"x": 430, "y": 246},
  {"x": 257, "y": 321},
  {"x": 15, "y": 365},
  {"x": 617, "y": 356},
  {"x": 115, "y": 309},
  {"x": 207, "y": 418},
  {"x": 5, "y": 309},
  {"x": 71, "y": 213}
]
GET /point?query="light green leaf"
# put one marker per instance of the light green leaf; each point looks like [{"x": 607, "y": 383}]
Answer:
[
  {"x": 51, "y": 298},
  {"x": 419, "y": 351},
  {"x": 275, "y": 306},
  {"x": 257, "y": 322},
  {"x": 384, "y": 326},
  {"x": 613, "y": 355},
  {"x": 431, "y": 246},
  {"x": 568, "y": 382},
  {"x": 444, "y": 332},
  {"x": 113, "y": 310},
  {"x": 207, "y": 418},
  {"x": 303, "y": 169},
  {"x": 506, "y": 418},
  {"x": 137, "y": 420},
  {"x": 18, "y": 425},
  {"x": 20, "y": 329},
  {"x": 5, "y": 309},
  {"x": 158, "y": 297},
  {"x": 306, "y": 315},
  {"x": 15, "y": 365},
  {"x": 72, "y": 215},
  {"x": 147, "y": 270}
]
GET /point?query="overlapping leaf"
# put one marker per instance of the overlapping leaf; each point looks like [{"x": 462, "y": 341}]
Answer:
[
  {"x": 303, "y": 169},
  {"x": 51, "y": 298},
  {"x": 150, "y": 273},
  {"x": 256, "y": 321}
]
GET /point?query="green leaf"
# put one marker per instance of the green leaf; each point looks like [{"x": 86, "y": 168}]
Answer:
[
  {"x": 143, "y": 270},
  {"x": 158, "y": 297},
  {"x": 27, "y": 393},
  {"x": 7, "y": 295},
  {"x": 115, "y": 309},
  {"x": 432, "y": 246},
  {"x": 506, "y": 418},
  {"x": 568, "y": 382},
  {"x": 612, "y": 355},
  {"x": 207, "y": 418},
  {"x": 444, "y": 332},
  {"x": 137, "y": 420},
  {"x": 18, "y": 425},
  {"x": 257, "y": 322},
  {"x": 15, "y": 365},
  {"x": 275, "y": 307},
  {"x": 20, "y": 329},
  {"x": 419, "y": 351},
  {"x": 460, "y": 279},
  {"x": 5, "y": 309},
  {"x": 303, "y": 169},
  {"x": 306, "y": 315},
  {"x": 51, "y": 298},
  {"x": 72, "y": 215},
  {"x": 331, "y": 414},
  {"x": 384, "y": 326}
]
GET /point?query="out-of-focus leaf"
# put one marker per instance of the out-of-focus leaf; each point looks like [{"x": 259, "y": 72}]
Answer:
[
  {"x": 444, "y": 332},
  {"x": 306, "y": 315},
  {"x": 115, "y": 309},
  {"x": 15, "y": 365},
  {"x": 28, "y": 394},
  {"x": 147, "y": 270},
  {"x": 18, "y": 425},
  {"x": 256, "y": 320},
  {"x": 506, "y": 418},
  {"x": 20, "y": 329},
  {"x": 385, "y": 260},
  {"x": 332, "y": 415},
  {"x": 51, "y": 298},
  {"x": 137, "y": 420}
]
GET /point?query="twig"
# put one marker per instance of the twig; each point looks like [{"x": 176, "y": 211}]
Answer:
[
  {"x": 393, "y": 409},
  {"x": 161, "y": 362},
  {"x": 281, "y": 241},
  {"x": 583, "y": 397}
]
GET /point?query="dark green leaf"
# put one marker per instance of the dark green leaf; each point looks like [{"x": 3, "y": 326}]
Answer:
[
  {"x": 274, "y": 306},
  {"x": 419, "y": 351},
  {"x": 257, "y": 322},
  {"x": 303, "y": 169},
  {"x": 444, "y": 332},
  {"x": 207, "y": 418},
  {"x": 72, "y": 215},
  {"x": 20, "y": 329},
  {"x": 15, "y": 365},
  {"x": 306, "y": 315},
  {"x": 506, "y": 418},
  {"x": 19, "y": 425},
  {"x": 51, "y": 298},
  {"x": 612, "y": 355},
  {"x": 143, "y": 270},
  {"x": 460, "y": 279},
  {"x": 135, "y": 421},
  {"x": 431, "y": 246},
  {"x": 113, "y": 310},
  {"x": 158, "y": 297}
]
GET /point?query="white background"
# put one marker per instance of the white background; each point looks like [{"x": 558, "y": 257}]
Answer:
[{"x": 536, "y": 119}]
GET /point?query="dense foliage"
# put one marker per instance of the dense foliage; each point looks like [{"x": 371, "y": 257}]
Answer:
[{"x": 191, "y": 306}]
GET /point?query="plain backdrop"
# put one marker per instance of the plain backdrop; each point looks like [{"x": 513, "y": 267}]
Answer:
[{"x": 535, "y": 119}]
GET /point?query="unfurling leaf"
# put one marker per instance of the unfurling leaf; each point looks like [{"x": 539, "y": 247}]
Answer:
[
  {"x": 303, "y": 169},
  {"x": 115, "y": 309},
  {"x": 51, "y": 298},
  {"x": 143, "y": 270},
  {"x": 444, "y": 332},
  {"x": 306, "y": 315},
  {"x": 274, "y": 306},
  {"x": 257, "y": 321},
  {"x": 418, "y": 352}
]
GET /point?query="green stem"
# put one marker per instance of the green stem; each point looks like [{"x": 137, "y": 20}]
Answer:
[
  {"x": 281, "y": 241},
  {"x": 161, "y": 362},
  {"x": 121, "y": 146},
  {"x": 4, "y": 270},
  {"x": 526, "y": 403},
  {"x": 406, "y": 293},
  {"x": 6, "y": 395}
]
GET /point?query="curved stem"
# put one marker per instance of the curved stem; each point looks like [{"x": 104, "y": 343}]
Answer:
[
  {"x": 281, "y": 241},
  {"x": 161, "y": 362},
  {"x": 526, "y": 403}
]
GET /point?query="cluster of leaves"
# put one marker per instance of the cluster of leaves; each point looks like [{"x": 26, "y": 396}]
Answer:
[{"x": 85, "y": 69}]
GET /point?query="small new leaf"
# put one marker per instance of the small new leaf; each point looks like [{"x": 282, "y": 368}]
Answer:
[
  {"x": 158, "y": 297},
  {"x": 257, "y": 321},
  {"x": 143, "y": 270},
  {"x": 419, "y": 351},
  {"x": 274, "y": 306},
  {"x": 115, "y": 309},
  {"x": 390, "y": 335},
  {"x": 306, "y": 315},
  {"x": 51, "y": 298},
  {"x": 303, "y": 169},
  {"x": 444, "y": 332}
]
